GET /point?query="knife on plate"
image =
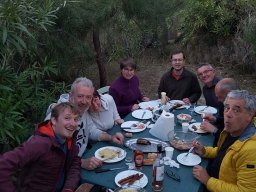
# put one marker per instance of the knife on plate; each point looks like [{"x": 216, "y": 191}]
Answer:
[
  {"x": 143, "y": 114},
  {"x": 100, "y": 170}
]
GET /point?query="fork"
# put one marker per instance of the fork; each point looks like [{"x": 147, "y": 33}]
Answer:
[{"x": 185, "y": 156}]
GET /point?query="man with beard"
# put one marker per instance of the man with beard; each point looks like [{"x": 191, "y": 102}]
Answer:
[
  {"x": 234, "y": 166},
  {"x": 179, "y": 83},
  {"x": 81, "y": 95}
]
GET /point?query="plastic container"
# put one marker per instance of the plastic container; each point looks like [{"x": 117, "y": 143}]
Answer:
[{"x": 181, "y": 140}]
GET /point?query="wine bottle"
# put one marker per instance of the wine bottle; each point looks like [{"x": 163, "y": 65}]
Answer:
[{"x": 158, "y": 171}]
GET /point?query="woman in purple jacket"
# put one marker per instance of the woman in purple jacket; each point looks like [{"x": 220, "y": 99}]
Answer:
[
  {"x": 125, "y": 89},
  {"x": 48, "y": 161}
]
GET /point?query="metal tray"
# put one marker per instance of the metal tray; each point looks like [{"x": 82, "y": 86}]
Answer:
[{"x": 152, "y": 148}]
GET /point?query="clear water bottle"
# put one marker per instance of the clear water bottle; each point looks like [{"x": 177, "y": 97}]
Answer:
[{"x": 158, "y": 171}]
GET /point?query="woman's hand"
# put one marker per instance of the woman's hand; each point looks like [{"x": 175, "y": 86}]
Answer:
[
  {"x": 145, "y": 99},
  {"x": 119, "y": 121},
  {"x": 135, "y": 107},
  {"x": 118, "y": 138}
]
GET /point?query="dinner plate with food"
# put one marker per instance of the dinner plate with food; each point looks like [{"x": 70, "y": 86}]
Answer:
[
  {"x": 178, "y": 103},
  {"x": 133, "y": 126},
  {"x": 110, "y": 154},
  {"x": 196, "y": 127},
  {"x": 131, "y": 177},
  {"x": 150, "y": 105}
]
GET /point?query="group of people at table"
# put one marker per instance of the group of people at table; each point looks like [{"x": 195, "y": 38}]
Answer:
[{"x": 50, "y": 160}]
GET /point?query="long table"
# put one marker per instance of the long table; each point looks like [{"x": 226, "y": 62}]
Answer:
[{"x": 187, "y": 184}]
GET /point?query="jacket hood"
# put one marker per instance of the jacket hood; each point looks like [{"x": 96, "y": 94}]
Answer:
[{"x": 45, "y": 129}]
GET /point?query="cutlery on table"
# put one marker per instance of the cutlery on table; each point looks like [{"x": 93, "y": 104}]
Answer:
[
  {"x": 185, "y": 156},
  {"x": 143, "y": 114},
  {"x": 100, "y": 170}
]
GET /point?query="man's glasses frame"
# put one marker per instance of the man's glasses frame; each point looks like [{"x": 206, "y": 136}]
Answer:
[{"x": 204, "y": 72}]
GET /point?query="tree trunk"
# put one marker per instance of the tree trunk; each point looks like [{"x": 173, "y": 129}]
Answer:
[{"x": 99, "y": 58}]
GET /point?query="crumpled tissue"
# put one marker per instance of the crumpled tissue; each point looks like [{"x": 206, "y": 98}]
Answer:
[{"x": 170, "y": 162}]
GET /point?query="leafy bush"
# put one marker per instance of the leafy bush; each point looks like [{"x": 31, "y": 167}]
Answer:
[
  {"x": 212, "y": 20},
  {"x": 25, "y": 91},
  {"x": 24, "y": 99}
]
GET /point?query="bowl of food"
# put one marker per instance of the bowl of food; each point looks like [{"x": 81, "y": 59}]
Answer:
[
  {"x": 184, "y": 118},
  {"x": 182, "y": 140},
  {"x": 130, "y": 188}
]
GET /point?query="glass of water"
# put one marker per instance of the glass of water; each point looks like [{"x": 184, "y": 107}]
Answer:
[{"x": 129, "y": 159}]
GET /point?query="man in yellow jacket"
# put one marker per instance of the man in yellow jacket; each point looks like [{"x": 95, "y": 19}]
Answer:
[{"x": 233, "y": 168}]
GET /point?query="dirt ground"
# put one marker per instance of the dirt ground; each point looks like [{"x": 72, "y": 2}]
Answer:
[{"x": 151, "y": 69}]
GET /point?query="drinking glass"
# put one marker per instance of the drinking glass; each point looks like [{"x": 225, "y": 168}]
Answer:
[
  {"x": 129, "y": 159},
  {"x": 192, "y": 108}
]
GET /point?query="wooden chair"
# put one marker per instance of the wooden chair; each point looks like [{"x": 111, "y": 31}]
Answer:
[{"x": 103, "y": 90}]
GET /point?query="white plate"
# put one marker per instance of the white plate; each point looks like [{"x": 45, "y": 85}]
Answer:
[
  {"x": 141, "y": 183},
  {"x": 116, "y": 159},
  {"x": 190, "y": 160},
  {"x": 151, "y": 104},
  {"x": 139, "y": 114},
  {"x": 199, "y": 130},
  {"x": 132, "y": 130},
  {"x": 205, "y": 109},
  {"x": 173, "y": 102}
]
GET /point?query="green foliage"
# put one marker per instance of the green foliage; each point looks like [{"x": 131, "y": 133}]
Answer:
[
  {"x": 24, "y": 70},
  {"x": 24, "y": 99},
  {"x": 212, "y": 20},
  {"x": 151, "y": 19},
  {"x": 249, "y": 31}
]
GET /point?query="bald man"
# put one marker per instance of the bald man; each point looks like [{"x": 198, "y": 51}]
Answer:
[{"x": 216, "y": 124}]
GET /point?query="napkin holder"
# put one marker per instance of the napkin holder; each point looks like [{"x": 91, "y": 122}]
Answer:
[{"x": 163, "y": 126}]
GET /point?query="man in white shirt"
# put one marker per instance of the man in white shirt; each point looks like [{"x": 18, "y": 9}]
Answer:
[{"x": 81, "y": 95}]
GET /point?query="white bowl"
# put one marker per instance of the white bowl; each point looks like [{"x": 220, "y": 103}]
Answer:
[{"x": 184, "y": 118}]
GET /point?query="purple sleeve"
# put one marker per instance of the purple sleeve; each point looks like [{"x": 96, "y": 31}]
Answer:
[{"x": 16, "y": 159}]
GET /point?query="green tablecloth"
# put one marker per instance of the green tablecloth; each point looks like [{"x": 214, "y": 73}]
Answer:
[{"x": 187, "y": 184}]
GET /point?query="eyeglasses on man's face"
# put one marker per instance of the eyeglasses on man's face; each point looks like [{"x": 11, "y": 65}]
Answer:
[
  {"x": 177, "y": 60},
  {"x": 204, "y": 72}
]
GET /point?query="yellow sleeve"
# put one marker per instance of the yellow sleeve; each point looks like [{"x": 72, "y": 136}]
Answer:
[{"x": 210, "y": 152}]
